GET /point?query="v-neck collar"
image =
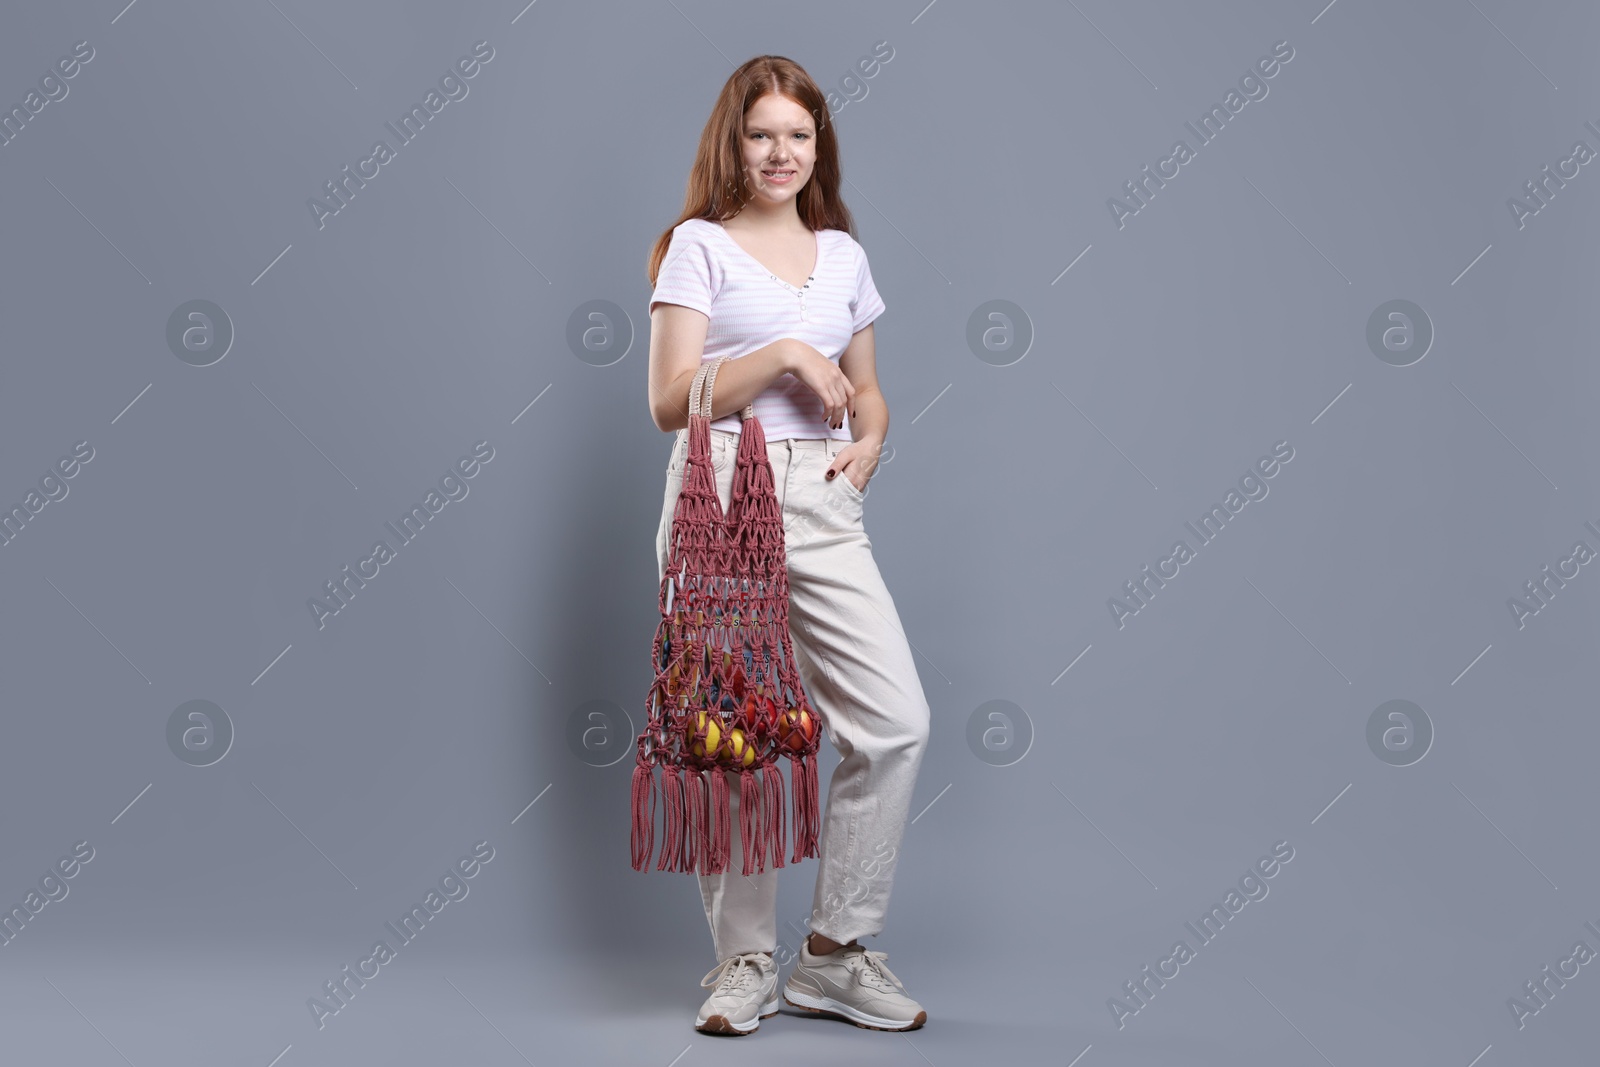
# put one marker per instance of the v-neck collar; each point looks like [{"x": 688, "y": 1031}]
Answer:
[{"x": 817, "y": 262}]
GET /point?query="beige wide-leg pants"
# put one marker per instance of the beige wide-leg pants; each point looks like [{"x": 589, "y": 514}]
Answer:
[{"x": 855, "y": 663}]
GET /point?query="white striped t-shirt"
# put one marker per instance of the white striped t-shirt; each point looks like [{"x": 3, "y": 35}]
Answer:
[{"x": 707, "y": 270}]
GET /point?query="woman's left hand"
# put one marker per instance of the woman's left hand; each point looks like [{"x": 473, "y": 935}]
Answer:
[{"x": 857, "y": 461}]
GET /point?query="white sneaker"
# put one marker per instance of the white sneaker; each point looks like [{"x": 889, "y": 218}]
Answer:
[
  {"x": 746, "y": 992},
  {"x": 855, "y": 983}
]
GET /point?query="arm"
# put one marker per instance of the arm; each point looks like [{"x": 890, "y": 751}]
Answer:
[
  {"x": 677, "y": 339},
  {"x": 869, "y": 411},
  {"x": 869, "y": 416}
]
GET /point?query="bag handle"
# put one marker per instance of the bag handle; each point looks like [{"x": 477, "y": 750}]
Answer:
[
  {"x": 700, "y": 393},
  {"x": 697, "y": 388}
]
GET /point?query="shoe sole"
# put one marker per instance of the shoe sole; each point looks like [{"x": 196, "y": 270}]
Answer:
[
  {"x": 829, "y": 1006},
  {"x": 719, "y": 1024}
]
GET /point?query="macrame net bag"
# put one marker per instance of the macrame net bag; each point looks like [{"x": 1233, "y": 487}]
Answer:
[{"x": 726, "y": 698}]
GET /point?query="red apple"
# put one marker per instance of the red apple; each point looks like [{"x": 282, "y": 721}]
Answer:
[{"x": 796, "y": 729}]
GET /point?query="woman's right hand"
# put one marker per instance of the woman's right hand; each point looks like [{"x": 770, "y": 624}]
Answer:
[{"x": 823, "y": 377}]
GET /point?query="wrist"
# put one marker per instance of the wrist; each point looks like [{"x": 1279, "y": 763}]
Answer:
[
  {"x": 789, "y": 355},
  {"x": 873, "y": 440}
]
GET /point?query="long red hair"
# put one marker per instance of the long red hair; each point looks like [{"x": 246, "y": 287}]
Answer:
[{"x": 717, "y": 183}]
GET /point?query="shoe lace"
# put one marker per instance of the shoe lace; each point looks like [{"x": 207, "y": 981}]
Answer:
[
  {"x": 876, "y": 973},
  {"x": 736, "y": 974}
]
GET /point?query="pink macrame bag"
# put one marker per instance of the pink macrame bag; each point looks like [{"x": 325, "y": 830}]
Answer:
[{"x": 726, "y": 698}]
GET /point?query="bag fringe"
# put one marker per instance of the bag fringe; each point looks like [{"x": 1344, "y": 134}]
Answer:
[
  {"x": 697, "y": 830},
  {"x": 803, "y": 783},
  {"x": 750, "y": 816},
  {"x": 695, "y": 800},
  {"x": 721, "y": 845},
  {"x": 643, "y": 834},
  {"x": 772, "y": 837}
]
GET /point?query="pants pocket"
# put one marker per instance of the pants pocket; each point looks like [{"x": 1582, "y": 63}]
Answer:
[
  {"x": 724, "y": 446},
  {"x": 834, "y": 447}
]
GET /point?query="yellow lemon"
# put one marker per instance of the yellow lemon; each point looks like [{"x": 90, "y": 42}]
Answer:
[
  {"x": 713, "y": 731},
  {"x": 743, "y": 754}
]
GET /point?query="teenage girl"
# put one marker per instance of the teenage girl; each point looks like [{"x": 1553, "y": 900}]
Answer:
[{"x": 763, "y": 266}]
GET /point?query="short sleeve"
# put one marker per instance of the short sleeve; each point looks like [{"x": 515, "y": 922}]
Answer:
[
  {"x": 867, "y": 304},
  {"x": 685, "y": 276}
]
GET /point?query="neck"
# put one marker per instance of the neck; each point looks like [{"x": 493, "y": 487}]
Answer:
[{"x": 774, "y": 217}]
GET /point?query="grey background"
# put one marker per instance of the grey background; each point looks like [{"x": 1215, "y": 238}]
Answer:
[{"x": 429, "y": 314}]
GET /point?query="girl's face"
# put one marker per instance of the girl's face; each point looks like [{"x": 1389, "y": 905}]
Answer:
[{"x": 779, "y": 148}]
